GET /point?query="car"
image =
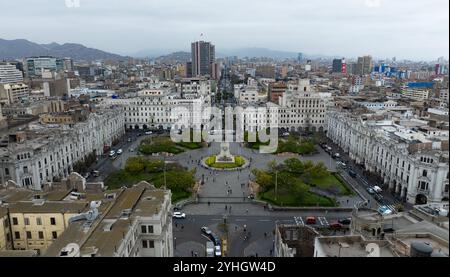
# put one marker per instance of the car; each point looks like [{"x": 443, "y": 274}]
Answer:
[
  {"x": 86, "y": 175},
  {"x": 384, "y": 210},
  {"x": 179, "y": 215},
  {"x": 119, "y": 152},
  {"x": 131, "y": 150},
  {"x": 377, "y": 189},
  {"x": 218, "y": 251},
  {"x": 345, "y": 221},
  {"x": 129, "y": 140},
  {"x": 148, "y": 132},
  {"x": 378, "y": 197},
  {"x": 341, "y": 164},
  {"x": 206, "y": 231},
  {"x": 215, "y": 239},
  {"x": 311, "y": 220},
  {"x": 352, "y": 173},
  {"x": 336, "y": 155},
  {"x": 95, "y": 173},
  {"x": 370, "y": 190},
  {"x": 112, "y": 153},
  {"x": 336, "y": 225},
  {"x": 286, "y": 134}
]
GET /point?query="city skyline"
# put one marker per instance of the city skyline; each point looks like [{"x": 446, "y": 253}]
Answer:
[{"x": 366, "y": 27}]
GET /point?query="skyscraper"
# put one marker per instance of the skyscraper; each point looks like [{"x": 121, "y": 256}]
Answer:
[
  {"x": 364, "y": 65},
  {"x": 203, "y": 56},
  {"x": 337, "y": 66},
  {"x": 300, "y": 57}
]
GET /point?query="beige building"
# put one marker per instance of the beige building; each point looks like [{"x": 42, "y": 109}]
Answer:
[
  {"x": 13, "y": 93},
  {"x": 35, "y": 225}
]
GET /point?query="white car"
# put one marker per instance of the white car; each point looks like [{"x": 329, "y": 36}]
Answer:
[
  {"x": 120, "y": 151},
  {"x": 217, "y": 251},
  {"x": 179, "y": 215},
  {"x": 148, "y": 132},
  {"x": 112, "y": 153}
]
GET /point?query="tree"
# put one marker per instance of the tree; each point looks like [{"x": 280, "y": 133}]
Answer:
[
  {"x": 135, "y": 165},
  {"x": 263, "y": 179},
  {"x": 299, "y": 190}
]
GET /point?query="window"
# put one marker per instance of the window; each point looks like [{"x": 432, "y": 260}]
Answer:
[
  {"x": 151, "y": 244},
  {"x": 143, "y": 229},
  {"x": 38, "y": 221},
  {"x": 54, "y": 235},
  {"x": 424, "y": 173},
  {"x": 6, "y": 171},
  {"x": 150, "y": 229},
  {"x": 144, "y": 244},
  {"x": 52, "y": 221},
  {"x": 28, "y": 235},
  {"x": 27, "y": 221},
  {"x": 41, "y": 235},
  {"x": 17, "y": 235},
  {"x": 15, "y": 221}
]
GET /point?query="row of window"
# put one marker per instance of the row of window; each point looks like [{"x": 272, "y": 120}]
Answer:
[
  {"x": 15, "y": 221},
  {"x": 40, "y": 235}
]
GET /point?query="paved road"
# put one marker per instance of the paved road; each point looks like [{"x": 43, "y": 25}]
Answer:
[
  {"x": 258, "y": 228},
  {"x": 365, "y": 180}
]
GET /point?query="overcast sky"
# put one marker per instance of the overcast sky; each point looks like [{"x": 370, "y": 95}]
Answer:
[{"x": 414, "y": 29}]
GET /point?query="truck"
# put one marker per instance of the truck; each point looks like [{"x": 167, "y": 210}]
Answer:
[{"x": 210, "y": 249}]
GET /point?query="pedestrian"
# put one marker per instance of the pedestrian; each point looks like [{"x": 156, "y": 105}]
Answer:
[
  {"x": 347, "y": 201},
  {"x": 246, "y": 211},
  {"x": 235, "y": 228},
  {"x": 265, "y": 234},
  {"x": 209, "y": 203},
  {"x": 176, "y": 225},
  {"x": 195, "y": 254},
  {"x": 182, "y": 227},
  {"x": 192, "y": 253},
  {"x": 226, "y": 208}
]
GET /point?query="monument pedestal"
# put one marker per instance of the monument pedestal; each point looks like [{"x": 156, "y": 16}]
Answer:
[{"x": 225, "y": 155}]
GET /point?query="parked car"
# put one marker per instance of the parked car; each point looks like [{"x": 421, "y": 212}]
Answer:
[
  {"x": 131, "y": 150},
  {"x": 352, "y": 173},
  {"x": 95, "y": 173},
  {"x": 148, "y": 132},
  {"x": 206, "y": 231},
  {"x": 384, "y": 210},
  {"x": 210, "y": 249},
  {"x": 119, "y": 152},
  {"x": 179, "y": 215},
  {"x": 215, "y": 239},
  {"x": 336, "y": 155},
  {"x": 112, "y": 153},
  {"x": 129, "y": 140},
  {"x": 336, "y": 225},
  {"x": 378, "y": 197},
  {"x": 311, "y": 220},
  {"x": 377, "y": 189},
  {"x": 86, "y": 175},
  {"x": 345, "y": 221},
  {"x": 370, "y": 190},
  {"x": 218, "y": 251},
  {"x": 341, "y": 164}
]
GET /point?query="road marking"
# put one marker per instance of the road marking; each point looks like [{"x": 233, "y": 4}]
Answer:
[
  {"x": 264, "y": 220},
  {"x": 299, "y": 221},
  {"x": 216, "y": 219},
  {"x": 241, "y": 220},
  {"x": 323, "y": 221}
]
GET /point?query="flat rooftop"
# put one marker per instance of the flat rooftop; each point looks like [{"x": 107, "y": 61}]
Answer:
[{"x": 352, "y": 246}]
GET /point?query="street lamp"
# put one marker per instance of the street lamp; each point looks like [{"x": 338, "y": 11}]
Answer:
[
  {"x": 276, "y": 185},
  {"x": 175, "y": 242}
]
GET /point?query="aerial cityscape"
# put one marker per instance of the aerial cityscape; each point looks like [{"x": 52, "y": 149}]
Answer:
[{"x": 225, "y": 141}]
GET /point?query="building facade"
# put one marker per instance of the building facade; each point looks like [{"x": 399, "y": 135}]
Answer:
[
  {"x": 44, "y": 154},
  {"x": 413, "y": 166}
]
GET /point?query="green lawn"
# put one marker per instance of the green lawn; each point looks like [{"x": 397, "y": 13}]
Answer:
[
  {"x": 289, "y": 200},
  {"x": 238, "y": 162},
  {"x": 158, "y": 145},
  {"x": 178, "y": 180},
  {"x": 331, "y": 181},
  {"x": 190, "y": 145}
]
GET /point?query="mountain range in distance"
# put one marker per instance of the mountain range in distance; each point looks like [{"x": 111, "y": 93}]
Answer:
[{"x": 21, "y": 48}]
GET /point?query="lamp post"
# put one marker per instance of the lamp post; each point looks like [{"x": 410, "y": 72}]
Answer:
[{"x": 175, "y": 242}]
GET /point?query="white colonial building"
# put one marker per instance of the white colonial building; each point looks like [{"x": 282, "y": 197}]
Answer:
[
  {"x": 41, "y": 153},
  {"x": 413, "y": 164}
]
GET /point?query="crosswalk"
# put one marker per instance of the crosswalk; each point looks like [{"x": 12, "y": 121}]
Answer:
[
  {"x": 323, "y": 221},
  {"x": 299, "y": 221}
]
